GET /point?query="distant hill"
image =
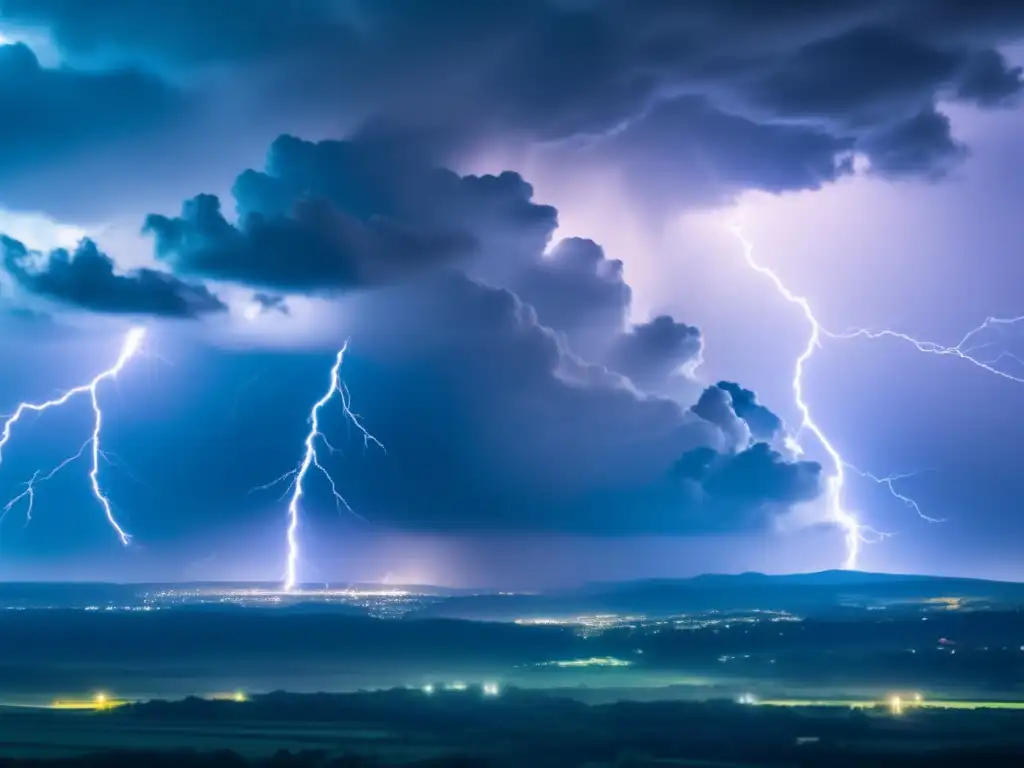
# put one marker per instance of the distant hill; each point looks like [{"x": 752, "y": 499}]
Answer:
[
  {"x": 800, "y": 593},
  {"x": 803, "y": 593}
]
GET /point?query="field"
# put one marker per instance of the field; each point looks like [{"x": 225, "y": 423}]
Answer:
[
  {"x": 906, "y": 704},
  {"x": 55, "y": 733}
]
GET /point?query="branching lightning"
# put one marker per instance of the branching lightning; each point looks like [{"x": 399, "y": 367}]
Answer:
[
  {"x": 855, "y": 532},
  {"x": 969, "y": 349},
  {"x": 130, "y": 347},
  {"x": 311, "y": 460}
]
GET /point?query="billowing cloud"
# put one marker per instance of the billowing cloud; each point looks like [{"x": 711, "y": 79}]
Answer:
[
  {"x": 715, "y": 407},
  {"x": 49, "y": 113},
  {"x": 764, "y": 425},
  {"x": 989, "y": 80},
  {"x": 757, "y": 475},
  {"x": 693, "y": 102},
  {"x": 492, "y": 423},
  {"x": 338, "y": 215},
  {"x": 652, "y": 353},
  {"x": 578, "y": 291},
  {"x": 86, "y": 278},
  {"x": 921, "y": 144}
]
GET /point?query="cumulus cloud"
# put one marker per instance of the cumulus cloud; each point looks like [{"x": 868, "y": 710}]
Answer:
[
  {"x": 578, "y": 291},
  {"x": 764, "y": 425},
  {"x": 920, "y": 145},
  {"x": 715, "y": 407},
  {"x": 339, "y": 215},
  {"x": 86, "y": 278},
  {"x": 989, "y": 80},
  {"x": 491, "y": 426},
  {"x": 49, "y": 113},
  {"x": 506, "y": 385},
  {"x": 756, "y": 475},
  {"x": 651, "y": 354}
]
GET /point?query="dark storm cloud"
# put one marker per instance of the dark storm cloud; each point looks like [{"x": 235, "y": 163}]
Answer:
[
  {"x": 763, "y": 424},
  {"x": 715, "y": 97},
  {"x": 86, "y": 279},
  {"x": 338, "y": 215},
  {"x": 715, "y": 407},
  {"x": 687, "y": 151},
  {"x": 48, "y": 113},
  {"x": 921, "y": 144},
  {"x": 269, "y": 303},
  {"x": 756, "y": 475},
  {"x": 651, "y": 353},
  {"x": 180, "y": 31},
  {"x": 578, "y": 291},
  {"x": 857, "y": 76},
  {"x": 491, "y": 422},
  {"x": 989, "y": 80},
  {"x": 483, "y": 382}
]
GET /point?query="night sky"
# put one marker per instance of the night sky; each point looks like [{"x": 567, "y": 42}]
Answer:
[{"x": 521, "y": 215}]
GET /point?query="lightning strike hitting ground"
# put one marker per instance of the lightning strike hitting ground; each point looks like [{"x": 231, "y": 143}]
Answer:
[
  {"x": 310, "y": 459},
  {"x": 130, "y": 347},
  {"x": 855, "y": 532}
]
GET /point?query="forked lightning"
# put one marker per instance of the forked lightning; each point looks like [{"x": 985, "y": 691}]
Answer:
[
  {"x": 310, "y": 459},
  {"x": 968, "y": 349},
  {"x": 130, "y": 347}
]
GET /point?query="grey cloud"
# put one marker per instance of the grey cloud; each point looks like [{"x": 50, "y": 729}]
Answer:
[
  {"x": 715, "y": 407},
  {"x": 185, "y": 32},
  {"x": 492, "y": 423},
  {"x": 757, "y": 475},
  {"x": 50, "y": 113},
  {"x": 921, "y": 144},
  {"x": 270, "y": 303},
  {"x": 341, "y": 215},
  {"x": 989, "y": 80},
  {"x": 85, "y": 278},
  {"x": 737, "y": 96},
  {"x": 578, "y": 291},
  {"x": 764, "y": 425},
  {"x": 652, "y": 353}
]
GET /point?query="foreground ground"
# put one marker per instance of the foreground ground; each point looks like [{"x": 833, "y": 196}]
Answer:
[{"x": 513, "y": 728}]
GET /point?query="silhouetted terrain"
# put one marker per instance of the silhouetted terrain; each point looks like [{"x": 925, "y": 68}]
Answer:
[
  {"x": 519, "y": 728},
  {"x": 799, "y": 593}
]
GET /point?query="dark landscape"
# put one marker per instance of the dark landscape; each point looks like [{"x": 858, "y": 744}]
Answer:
[{"x": 625, "y": 673}]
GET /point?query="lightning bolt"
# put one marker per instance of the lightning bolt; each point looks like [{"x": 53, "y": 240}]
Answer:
[
  {"x": 132, "y": 343},
  {"x": 855, "y": 532},
  {"x": 966, "y": 349},
  {"x": 311, "y": 460}
]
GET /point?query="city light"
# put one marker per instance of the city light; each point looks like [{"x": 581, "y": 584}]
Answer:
[{"x": 896, "y": 705}]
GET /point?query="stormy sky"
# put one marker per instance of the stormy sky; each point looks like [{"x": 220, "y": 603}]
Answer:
[{"x": 521, "y": 215}]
